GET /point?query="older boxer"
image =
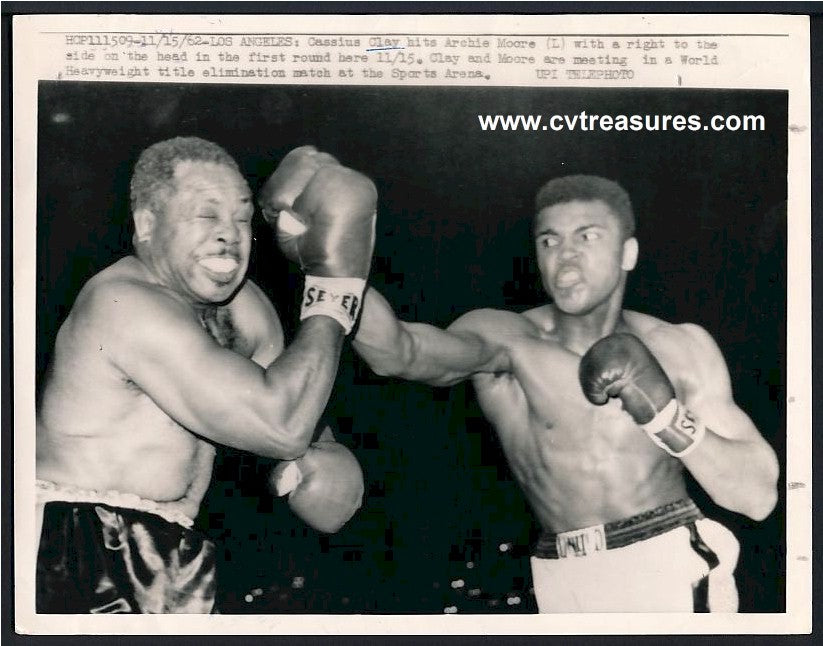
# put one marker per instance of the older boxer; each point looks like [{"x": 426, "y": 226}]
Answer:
[
  {"x": 171, "y": 350},
  {"x": 605, "y": 481}
]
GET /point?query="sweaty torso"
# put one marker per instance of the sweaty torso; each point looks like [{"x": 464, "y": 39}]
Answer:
[
  {"x": 96, "y": 428},
  {"x": 579, "y": 464}
]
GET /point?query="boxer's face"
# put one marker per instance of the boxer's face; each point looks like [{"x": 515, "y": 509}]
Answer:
[
  {"x": 581, "y": 253},
  {"x": 201, "y": 242}
]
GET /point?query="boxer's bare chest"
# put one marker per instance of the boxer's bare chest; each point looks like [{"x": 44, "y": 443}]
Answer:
[
  {"x": 148, "y": 430},
  {"x": 560, "y": 447},
  {"x": 553, "y": 417},
  {"x": 221, "y": 325}
]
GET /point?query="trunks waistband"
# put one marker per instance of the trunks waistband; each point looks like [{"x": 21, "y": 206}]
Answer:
[
  {"x": 619, "y": 533},
  {"x": 52, "y": 492}
]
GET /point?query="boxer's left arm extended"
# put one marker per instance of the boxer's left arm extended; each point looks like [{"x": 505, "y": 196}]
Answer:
[{"x": 712, "y": 436}]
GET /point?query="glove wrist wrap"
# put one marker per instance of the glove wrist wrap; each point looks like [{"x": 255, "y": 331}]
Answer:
[
  {"x": 338, "y": 298},
  {"x": 676, "y": 430}
]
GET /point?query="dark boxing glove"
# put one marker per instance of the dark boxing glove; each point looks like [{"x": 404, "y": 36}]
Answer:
[{"x": 620, "y": 365}]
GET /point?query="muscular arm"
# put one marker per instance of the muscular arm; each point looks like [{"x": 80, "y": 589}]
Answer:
[
  {"x": 421, "y": 352},
  {"x": 157, "y": 343},
  {"x": 263, "y": 326},
  {"x": 734, "y": 464}
]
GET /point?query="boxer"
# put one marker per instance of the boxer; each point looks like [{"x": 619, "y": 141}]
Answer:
[
  {"x": 170, "y": 351},
  {"x": 599, "y": 410}
]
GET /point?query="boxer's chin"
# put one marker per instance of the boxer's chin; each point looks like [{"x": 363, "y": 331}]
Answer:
[
  {"x": 211, "y": 289},
  {"x": 572, "y": 301}
]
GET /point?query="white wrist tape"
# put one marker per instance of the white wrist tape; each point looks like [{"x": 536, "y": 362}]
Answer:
[
  {"x": 676, "y": 430},
  {"x": 339, "y": 298},
  {"x": 288, "y": 479}
]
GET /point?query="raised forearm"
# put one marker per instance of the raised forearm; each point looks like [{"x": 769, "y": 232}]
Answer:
[
  {"x": 701, "y": 425},
  {"x": 740, "y": 475},
  {"x": 301, "y": 380},
  {"x": 324, "y": 217}
]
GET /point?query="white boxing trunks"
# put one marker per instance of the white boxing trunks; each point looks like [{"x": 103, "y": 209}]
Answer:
[{"x": 668, "y": 559}]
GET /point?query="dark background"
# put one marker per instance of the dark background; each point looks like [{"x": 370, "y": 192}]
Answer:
[{"x": 453, "y": 235}]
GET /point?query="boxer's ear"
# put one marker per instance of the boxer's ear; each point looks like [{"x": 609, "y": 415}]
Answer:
[
  {"x": 630, "y": 250},
  {"x": 144, "y": 220}
]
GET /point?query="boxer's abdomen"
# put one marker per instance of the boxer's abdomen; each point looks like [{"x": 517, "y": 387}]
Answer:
[
  {"x": 143, "y": 452},
  {"x": 587, "y": 465}
]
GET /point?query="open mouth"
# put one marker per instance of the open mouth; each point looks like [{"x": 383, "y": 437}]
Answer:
[
  {"x": 567, "y": 277},
  {"x": 221, "y": 267}
]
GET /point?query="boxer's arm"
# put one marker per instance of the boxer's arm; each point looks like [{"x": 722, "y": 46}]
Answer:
[
  {"x": 421, "y": 352},
  {"x": 733, "y": 463},
  {"x": 259, "y": 322},
  {"x": 213, "y": 391},
  {"x": 267, "y": 332}
]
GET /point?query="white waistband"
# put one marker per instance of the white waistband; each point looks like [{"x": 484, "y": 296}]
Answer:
[{"x": 52, "y": 492}]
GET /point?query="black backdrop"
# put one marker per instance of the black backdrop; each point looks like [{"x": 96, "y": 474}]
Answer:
[{"x": 443, "y": 524}]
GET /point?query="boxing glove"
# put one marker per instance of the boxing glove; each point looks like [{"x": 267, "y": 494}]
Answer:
[
  {"x": 282, "y": 189},
  {"x": 325, "y": 220},
  {"x": 324, "y": 486},
  {"x": 620, "y": 365}
]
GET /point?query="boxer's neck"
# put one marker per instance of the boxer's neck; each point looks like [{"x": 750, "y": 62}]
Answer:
[{"x": 578, "y": 332}]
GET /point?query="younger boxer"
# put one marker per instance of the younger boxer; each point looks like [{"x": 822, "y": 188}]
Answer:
[
  {"x": 599, "y": 410},
  {"x": 171, "y": 350}
]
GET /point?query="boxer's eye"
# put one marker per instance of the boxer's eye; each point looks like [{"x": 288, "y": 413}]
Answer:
[
  {"x": 590, "y": 236},
  {"x": 549, "y": 241},
  {"x": 244, "y": 217}
]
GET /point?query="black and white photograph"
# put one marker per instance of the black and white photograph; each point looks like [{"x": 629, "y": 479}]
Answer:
[
  {"x": 183, "y": 377},
  {"x": 410, "y": 352}
]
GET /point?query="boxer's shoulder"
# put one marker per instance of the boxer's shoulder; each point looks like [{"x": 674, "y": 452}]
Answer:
[
  {"x": 542, "y": 316},
  {"x": 687, "y": 352},
  {"x": 654, "y": 331},
  {"x": 122, "y": 292},
  {"x": 119, "y": 312},
  {"x": 496, "y": 324},
  {"x": 251, "y": 302},
  {"x": 257, "y": 321},
  {"x": 642, "y": 324}
]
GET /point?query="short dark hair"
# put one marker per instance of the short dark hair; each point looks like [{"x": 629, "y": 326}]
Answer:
[
  {"x": 154, "y": 171},
  {"x": 587, "y": 188}
]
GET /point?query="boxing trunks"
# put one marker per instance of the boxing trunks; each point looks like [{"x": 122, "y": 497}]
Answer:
[
  {"x": 668, "y": 559},
  {"x": 108, "y": 552}
]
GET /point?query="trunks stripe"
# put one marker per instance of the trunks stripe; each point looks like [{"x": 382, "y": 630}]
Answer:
[{"x": 700, "y": 591}]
